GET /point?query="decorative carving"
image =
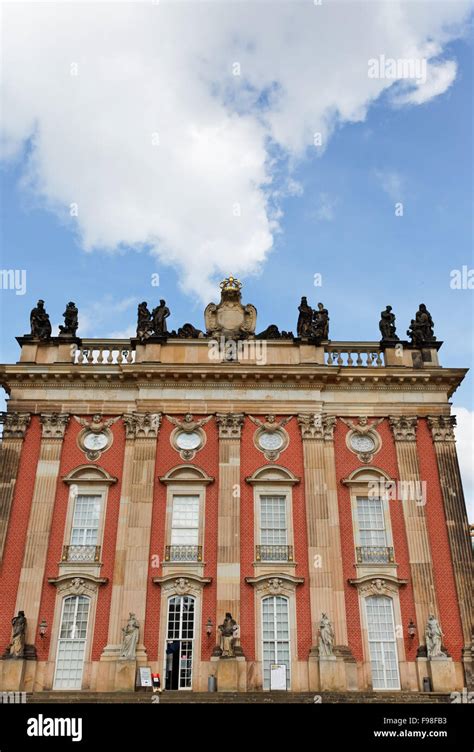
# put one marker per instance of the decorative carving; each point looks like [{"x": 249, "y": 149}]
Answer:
[
  {"x": 421, "y": 328},
  {"x": 188, "y": 331},
  {"x": 95, "y": 426},
  {"x": 69, "y": 584},
  {"x": 312, "y": 324},
  {"x": 274, "y": 586},
  {"x": 39, "y": 322},
  {"x": 434, "y": 638},
  {"x": 326, "y": 637},
  {"x": 141, "y": 425},
  {"x": 54, "y": 425},
  {"x": 363, "y": 439},
  {"x": 230, "y": 425},
  {"x": 16, "y": 649},
  {"x": 271, "y": 432},
  {"x": 181, "y": 586},
  {"x": 377, "y": 586},
  {"x": 404, "y": 427},
  {"x": 387, "y": 325},
  {"x": 273, "y": 332},
  {"x": 230, "y": 318},
  {"x": 189, "y": 427},
  {"x": 130, "y": 631},
  {"x": 442, "y": 427},
  {"x": 15, "y": 424},
  {"x": 228, "y": 630},
  {"x": 71, "y": 321},
  {"x": 317, "y": 426}
]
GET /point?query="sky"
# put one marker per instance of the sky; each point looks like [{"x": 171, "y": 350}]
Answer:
[{"x": 264, "y": 139}]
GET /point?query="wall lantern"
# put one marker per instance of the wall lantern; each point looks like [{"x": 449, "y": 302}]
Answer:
[
  {"x": 43, "y": 628},
  {"x": 411, "y": 629}
]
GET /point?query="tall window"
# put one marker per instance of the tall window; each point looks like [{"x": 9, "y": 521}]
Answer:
[
  {"x": 273, "y": 524},
  {"x": 276, "y": 636},
  {"x": 72, "y": 643},
  {"x": 185, "y": 521},
  {"x": 382, "y": 643},
  {"x": 179, "y": 644},
  {"x": 371, "y": 520},
  {"x": 85, "y": 524}
]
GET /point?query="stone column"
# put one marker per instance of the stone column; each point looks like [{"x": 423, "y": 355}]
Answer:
[
  {"x": 14, "y": 430},
  {"x": 419, "y": 551},
  {"x": 39, "y": 524},
  {"x": 132, "y": 553},
  {"x": 326, "y": 579},
  {"x": 442, "y": 431},
  {"x": 228, "y": 533}
]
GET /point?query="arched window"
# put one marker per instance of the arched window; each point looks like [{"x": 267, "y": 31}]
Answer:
[
  {"x": 72, "y": 642},
  {"x": 382, "y": 642},
  {"x": 275, "y": 636}
]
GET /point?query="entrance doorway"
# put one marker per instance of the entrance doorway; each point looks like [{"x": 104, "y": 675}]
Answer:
[
  {"x": 179, "y": 642},
  {"x": 72, "y": 643},
  {"x": 382, "y": 643},
  {"x": 275, "y": 636}
]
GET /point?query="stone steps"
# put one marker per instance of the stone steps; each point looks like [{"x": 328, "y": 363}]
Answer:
[{"x": 237, "y": 697}]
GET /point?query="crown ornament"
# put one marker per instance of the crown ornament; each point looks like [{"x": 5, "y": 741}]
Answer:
[{"x": 231, "y": 284}]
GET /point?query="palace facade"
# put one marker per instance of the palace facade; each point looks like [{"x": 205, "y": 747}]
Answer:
[{"x": 309, "y": 489}]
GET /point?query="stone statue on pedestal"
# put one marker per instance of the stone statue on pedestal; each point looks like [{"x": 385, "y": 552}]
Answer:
[
  {"x": 434, "y": 638},
  {"x": 160, "y": 314},
  {"x": 421, "y": 327},
  {"x": 312, "y": 324},
  {"x": 71, "y": 321},
  {"x": 326, "y": 637},
  {"x": 130, "y": 638},
  {"x": 144, "y": 322},
  {"x": 17, "y": 645},
  {"x": 228, "y": 628},
  {"x": 39, "y": 322},
  {"x": 387, "y": 325}
]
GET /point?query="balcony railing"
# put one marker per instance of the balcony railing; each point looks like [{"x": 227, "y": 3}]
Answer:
[
  {"x": 76, "y": 553},
  {"x": 104, "y": 351},
  {"x": 273, "y": 553},
  {"x": 183, "y": 553},
  {"x": 374, "y": 555}
]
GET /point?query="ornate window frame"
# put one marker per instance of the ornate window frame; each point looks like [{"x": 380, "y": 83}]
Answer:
[{"x": 86, "y": 479}]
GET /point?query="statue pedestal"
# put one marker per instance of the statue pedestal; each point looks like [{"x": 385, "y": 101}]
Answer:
[
  {"x": 332, "y": 675},
  {"x": 443, "y": 676},
  {"x": 12, "y": 674},
  {"x": 231, "y": 674},
  {"x": 125, "y": 675}
]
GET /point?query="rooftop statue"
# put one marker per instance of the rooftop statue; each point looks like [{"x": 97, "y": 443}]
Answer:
[
  {"x": 387, "y": 325},
  {"x": 230, "y": 318},
  {"x": 312, "y": 323},
  {"x": 421, "y": 327},
  {"x": 71, "y": 321},
  {"x": 39, "y": 321}
]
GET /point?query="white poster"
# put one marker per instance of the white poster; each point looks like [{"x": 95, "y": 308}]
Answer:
[
  {"x": 145, "y": 676},
  {"x": 278, "y": 676}
]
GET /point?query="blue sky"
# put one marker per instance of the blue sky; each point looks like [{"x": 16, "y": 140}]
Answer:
[{"x": 337, "y": 219}]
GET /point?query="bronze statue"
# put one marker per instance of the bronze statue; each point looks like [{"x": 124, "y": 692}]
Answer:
[
  {"x": 160, "y": 314},
  {"x": 39, "y": 321},
  {"x": 71, "y": 321},
  {"x": 228, "y": 628},
  {"x": 320, "y": 326},
  {"x": 144, "y": 322},
  {"x": 387, "y": 325},
  {"x": 421, "y": 327},
  {"x": 305, "y": 319},
  {"x": 17, "y": 645}
]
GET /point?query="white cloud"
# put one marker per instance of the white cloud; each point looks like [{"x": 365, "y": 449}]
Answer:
[
  {"x": 325, "y": 209},
  {"x": 391, "y": 182},
  {"x": 439, "y": 78},
  {"x": 465, "y": 444},
  {"x": 206, "y": 199}
]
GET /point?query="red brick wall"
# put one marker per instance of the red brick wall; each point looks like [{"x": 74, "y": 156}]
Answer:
[
  {"x": 347, "y": 462},
  {"x": 112, "y": 462},
  {"x": 17, "y": 528},
  {"x": 207, "y": 459},
  {"x": 251, "y": 460}
]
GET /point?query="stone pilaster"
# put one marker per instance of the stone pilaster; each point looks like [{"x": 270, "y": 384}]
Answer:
[
  {"x": 419, "y": 551},
  {"x": 132, "y": 554},
  {"x": 442, "y": 432},
  {"x": 14, "y": 430},
  {"x": 228, "y": 534},
  {"x": 322, "y": 518},
  {"x": 53, "y": 426}
]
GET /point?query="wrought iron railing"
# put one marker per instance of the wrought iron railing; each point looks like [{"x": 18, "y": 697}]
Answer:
[
  {"x": 273, "y": 553},
  {"x": 374, "y": 555},
  {"x": 183, "y": 553},
  {"x": 75, "y": 552}
]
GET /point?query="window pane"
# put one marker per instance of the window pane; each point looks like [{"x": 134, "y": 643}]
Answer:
[
  {"x": 273, "y": 520},
  {"x": 185, "y": 521},
  {"x": 85, "y": 524}
]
